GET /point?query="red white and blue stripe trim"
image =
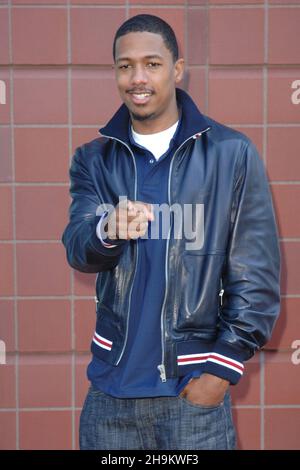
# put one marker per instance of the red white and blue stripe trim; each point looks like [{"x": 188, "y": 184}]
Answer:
[
  {"x": 102, "y": 342},
  {"x": 214, "y": 357}
]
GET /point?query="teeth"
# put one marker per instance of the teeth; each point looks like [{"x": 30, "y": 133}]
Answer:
[{"x": 141, "y": 96}]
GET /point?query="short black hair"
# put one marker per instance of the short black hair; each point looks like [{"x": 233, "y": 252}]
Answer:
[{"x": 150, "y": 24}]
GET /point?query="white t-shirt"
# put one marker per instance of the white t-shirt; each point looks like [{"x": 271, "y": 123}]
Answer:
[{"x": 157, "y": 143}]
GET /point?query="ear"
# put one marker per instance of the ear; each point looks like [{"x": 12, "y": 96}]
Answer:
[{"x": 178, "y": 70}]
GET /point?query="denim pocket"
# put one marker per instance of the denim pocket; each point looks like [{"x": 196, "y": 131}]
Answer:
[{"x": 198, "y": 405}]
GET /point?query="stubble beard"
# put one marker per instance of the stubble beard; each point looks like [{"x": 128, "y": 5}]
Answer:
[{"x": 139, "y": 117}]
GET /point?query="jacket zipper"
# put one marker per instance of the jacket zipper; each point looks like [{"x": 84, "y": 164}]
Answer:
[
  {"x": 161, "y": 367},
  {"x": 136, "y": 259}
]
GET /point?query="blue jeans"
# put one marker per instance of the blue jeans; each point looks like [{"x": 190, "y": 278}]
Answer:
[{"x": 158, "y": 423}]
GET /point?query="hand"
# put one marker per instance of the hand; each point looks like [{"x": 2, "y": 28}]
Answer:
[
  {"x": 129, "y": 220},
  {"x": 207, "y": 390}
]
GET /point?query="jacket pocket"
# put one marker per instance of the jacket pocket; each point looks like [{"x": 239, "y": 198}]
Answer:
[{"x": 197, "y": 299}]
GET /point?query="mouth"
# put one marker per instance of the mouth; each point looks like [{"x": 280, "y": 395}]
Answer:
[{"x": 140, "y": 97}]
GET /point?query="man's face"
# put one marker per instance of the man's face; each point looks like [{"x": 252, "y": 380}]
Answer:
[{"x": 146, "y": 75}]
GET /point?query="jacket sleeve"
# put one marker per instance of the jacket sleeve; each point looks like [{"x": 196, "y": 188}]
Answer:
[
  {"x": 251, "y": 276},
  {"x": 84, "y": 250}
]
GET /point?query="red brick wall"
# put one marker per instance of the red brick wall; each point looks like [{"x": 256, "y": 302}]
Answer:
[{"x": 55, "y": 60}]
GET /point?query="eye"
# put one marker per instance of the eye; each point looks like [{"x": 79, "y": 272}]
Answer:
[
  {"x": 154, "y": 64},
  {"x": 125, "y": 66}
]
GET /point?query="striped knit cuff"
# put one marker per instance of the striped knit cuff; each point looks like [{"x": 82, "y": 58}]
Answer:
[{"x": 225, "y": 362}]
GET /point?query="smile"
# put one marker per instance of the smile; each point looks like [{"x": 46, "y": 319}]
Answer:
[{"x": 140, "y": 98}]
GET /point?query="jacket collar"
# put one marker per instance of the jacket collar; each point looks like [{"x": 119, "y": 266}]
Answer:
[{"x": 193, "y": 122}]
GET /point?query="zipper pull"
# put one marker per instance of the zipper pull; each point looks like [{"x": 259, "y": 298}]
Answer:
[
  {"x": 96, "y": 299},
  {"x": 197, "y": 135},
  {"x": 221, "y": 296},
  {"x": 162, "y": 371}
]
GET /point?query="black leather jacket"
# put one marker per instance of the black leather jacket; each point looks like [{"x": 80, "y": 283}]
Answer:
[{"x": 215, "y": 166}]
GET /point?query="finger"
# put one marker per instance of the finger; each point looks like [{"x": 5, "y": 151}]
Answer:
[
  {"x": 143, "y": 227},
  {"x": 136, "y": 230},
  {"x": 138, "y": 216},
  {"x": 138, "y": 226},
  {"x": 146, "y": 208},
  {"x": 150, "y": 212},
  {"x": 130, "y": 206},
  {"x": 138, "y": 206},
  {"x": 141, "y": 218}
]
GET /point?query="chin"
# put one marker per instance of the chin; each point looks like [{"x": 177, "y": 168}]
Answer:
[{"x": 142, "y": 117}]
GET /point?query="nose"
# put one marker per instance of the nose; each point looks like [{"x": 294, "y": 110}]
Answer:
[{"x": 139, "y": 75}]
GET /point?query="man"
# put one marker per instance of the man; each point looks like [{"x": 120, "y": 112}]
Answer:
[{"x": 177, "y": 313}]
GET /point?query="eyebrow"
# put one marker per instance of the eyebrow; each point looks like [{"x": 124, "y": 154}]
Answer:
[{"x": 152, "y": 56}]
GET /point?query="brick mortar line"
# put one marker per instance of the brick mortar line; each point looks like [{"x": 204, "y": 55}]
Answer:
[
  {"x": 75, "y": 7},
  {"x": 57, "y": 353},
  {"x": 85, "y": 297},
  {"x": 86, "y": 352},
  {"x": 186, "y": 44},
  {"x": 37, "y": 409},
  {"x": 81, "y": 66},
  {"x": 207, "y": 59},
  {"x": 268, "y": 407},
  {"x": 262, "y": 400},
  {"x": 248, "y": 6},
  {"x": 53, "y": 297},
  {"x": 30, "y": 242},
  {"x": 35, "y": 184},
  {"x": 44, "y": 358},
  {"x": 15, "y": 286},
  {"x": 290, "y": 296},
  {"x": 291, "y": 183},
  {"x": 265, "y": 84},
  {"x": 95, "y": 126},
  {"x": 65, "y": 357},
  {"x": 265, "y": 146},
  {"x": 232, "y": 6},
  {"x": 72, "y": 328},
  {"x": 265, "y": 121},
  {"x": 91, "y": 297},
  {"x": 52, "y": 126}
]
